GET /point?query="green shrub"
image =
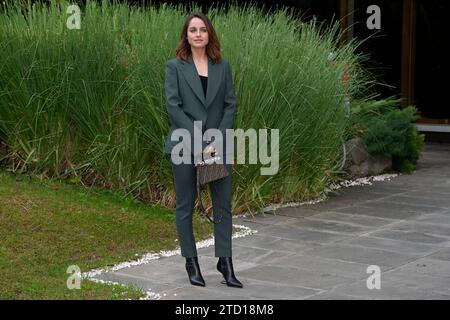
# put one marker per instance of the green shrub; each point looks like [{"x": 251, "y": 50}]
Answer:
[
  {"x": 387, "y": 129},
  {"x": 90, "y": 102}
]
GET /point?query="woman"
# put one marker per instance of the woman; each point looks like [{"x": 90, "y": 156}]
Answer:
[{"x": 199, "y": 87}]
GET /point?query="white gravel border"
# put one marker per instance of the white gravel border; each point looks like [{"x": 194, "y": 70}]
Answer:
[
  {"x": 148, "y": 257},
  {"x": 243, "y": 232},
  {"x": 342, "y": 184}
]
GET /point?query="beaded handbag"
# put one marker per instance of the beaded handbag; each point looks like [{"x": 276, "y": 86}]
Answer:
[{"x": 208, "y": 171}]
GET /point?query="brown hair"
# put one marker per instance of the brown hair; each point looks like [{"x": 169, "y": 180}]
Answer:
[{"x": 183, "y": 50}]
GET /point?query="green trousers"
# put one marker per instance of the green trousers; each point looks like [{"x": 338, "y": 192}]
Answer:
[{"x": 220, "y": 191}]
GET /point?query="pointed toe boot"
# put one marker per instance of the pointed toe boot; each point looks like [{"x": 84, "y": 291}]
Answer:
[
  {"x": 225, "y": 266},
  {"x": 193, "y": 270}
]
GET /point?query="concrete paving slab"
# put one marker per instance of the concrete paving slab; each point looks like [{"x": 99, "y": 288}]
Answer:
[
  {"x": 379, "y": 187},
  {"x": 428, "y": 266},
  {"x": 442, "y": 218},
  {"x": 440, "y": 202},
  {"x": 292, "y": 246},
  {"x": 354, "y": 219},
  {"x": 406, "y": 247},
  {"x": 256, "y": 241},
  {"x": 442, "y": 254},
  {"x": 434, "y": 229},
  {"x": 322, "y": 251},
  {"x": 294, "y": 212},
  {"x": 389, "y": 290},
  {"x": 325, "y": 266},
  {"x": 386, "y": 213},
  {"x": 417, "y": 281},
  {"x": 202, "y": 293},
  {"x": 304, "y": 235},
  {"x": 287, "y": 275},
  {"x": 257, "y": 255},
  {"x": 338, "y": 227},
  {"x": 417, "y": 237},
  {"x": 363, "y": 255},
  {"x": 253, "y": 289},
  {"x": 143, "y": 283},
  {"x": 267, "y": 219},
  {"x": 333, "y": 295},
  {"x": 387, "y": 204}
]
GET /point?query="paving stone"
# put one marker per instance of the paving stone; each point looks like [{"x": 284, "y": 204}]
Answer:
[
  {"x": 255, "y": 241},
  {"x": 412, "y": 236},
  {"x": 261, "y": 290},
  {"x": 422, "y": 227},
  {"x": 387, "y": 213},
  {"x": 292, "y": 246},
  {"x": 363, "y": 255},
  {"x": 417, "y": 281},
  {"x": 322, "y": 251},
  {"x": 303, "y": 235},
  {"x": 251, "y": 223},
  {"x": 139, "y": 282},
  {"x": 288, "y": 275},
  {"x": 444, "y": 191},
  {"x": 441, "y": 202},
  {"x": 333, "y": 204},
  {"x": 380, "y": 187},
  {"x": 294, "y": 212},
  {"x": 387, "y": 204},
  {"x": 439, "y": 218},
  {"x": 355, "y": 194},
  {"x": 257, "y": 255},
  {"x": 389, "y": 290},
  {"x": 166, "y": 273},
  {"x": 324, "y": 265},
  {"x": 366, "y": 221},
  {"x": 332, "y": 295},
  {"x": 406, "y": 247},
  {"x": 443, "y": 254},
  {"x": 428, "y": 266},
  {"x": 376, "y": 189},
  {"x": 329, "y": 226},
  {"x": 253, "y": 289},
  {"x": 202, "y": 293},
  {"x": 411, "y": 181},
  {"x": 269, "y": 219},
  {"x": 425, "y": 194}
]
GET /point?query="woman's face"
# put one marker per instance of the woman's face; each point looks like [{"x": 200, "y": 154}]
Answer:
[{"x": 197, "y": 34}]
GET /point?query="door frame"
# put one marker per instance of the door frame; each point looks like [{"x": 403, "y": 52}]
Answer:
[{"x": 408, "y": 57}]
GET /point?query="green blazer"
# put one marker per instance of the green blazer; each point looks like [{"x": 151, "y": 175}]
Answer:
[{"x": 186, "y": 102}]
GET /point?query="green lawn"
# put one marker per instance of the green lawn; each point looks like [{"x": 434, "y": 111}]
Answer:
[{"x": 46, "y": 226}]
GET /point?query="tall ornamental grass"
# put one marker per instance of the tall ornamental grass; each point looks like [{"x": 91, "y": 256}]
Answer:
[{"x": 89, "y": 104}]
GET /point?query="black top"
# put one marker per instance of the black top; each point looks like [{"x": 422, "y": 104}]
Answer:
[{"x": 204, "y": 83}]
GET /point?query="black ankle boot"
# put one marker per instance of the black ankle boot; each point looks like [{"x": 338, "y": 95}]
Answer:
[
  {"x": 225, "y": 266},
  {"x": 193, "y": 270}
]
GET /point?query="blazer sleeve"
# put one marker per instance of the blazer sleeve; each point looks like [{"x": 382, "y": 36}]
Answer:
[
  {"x": 174, "y": 102},
  {"x": 229, "y": 106},
  {"x": 230, "y": 102}
]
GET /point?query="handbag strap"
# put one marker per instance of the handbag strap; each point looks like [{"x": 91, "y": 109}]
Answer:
[{"x": 200, "y": 203}]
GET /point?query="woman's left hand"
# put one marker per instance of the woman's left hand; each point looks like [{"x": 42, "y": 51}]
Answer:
[{"x": 209, "y": 149}]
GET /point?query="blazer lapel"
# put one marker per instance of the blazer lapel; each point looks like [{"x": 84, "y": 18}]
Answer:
[{"x": 191, "y": 75}]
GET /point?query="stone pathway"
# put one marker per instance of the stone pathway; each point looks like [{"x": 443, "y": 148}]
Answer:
[{"x": 323, "y": 251}]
